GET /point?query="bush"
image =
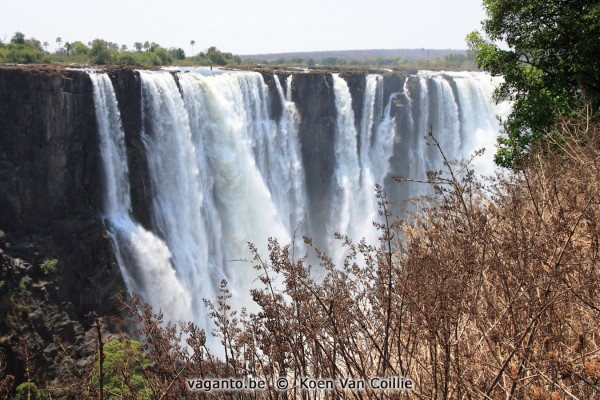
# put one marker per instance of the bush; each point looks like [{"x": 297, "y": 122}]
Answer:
[
  {"x": 163, "y": 56},
  {"x": 128, "y": 59},
  {"x": 24, "y": 283},
  {"x": 49, "y": 266},
  {"x": 123, "y": 365},
  {"x": 100, "y": 52},
  {"x": 30, "y": 391}
]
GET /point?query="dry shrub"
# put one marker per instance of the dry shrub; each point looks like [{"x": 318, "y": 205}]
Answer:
[{"x": 490, "y": 291}]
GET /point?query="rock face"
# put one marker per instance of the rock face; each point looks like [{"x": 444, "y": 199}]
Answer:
[
  {"x": 50, "y": 193},
  {"x": 275, "y": 105},
  {"x": 128, "y": 89},
  {"x": 314, "y": 97},
  {"x": 50, "y": 179},
  {"x": 48, "y": 148},
  {"x": 356, "y": 85}
]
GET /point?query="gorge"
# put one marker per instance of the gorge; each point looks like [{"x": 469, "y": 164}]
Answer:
[{"x": 160, "y": 179}]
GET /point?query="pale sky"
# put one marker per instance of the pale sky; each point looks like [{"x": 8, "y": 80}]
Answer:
[{"x": 248, "y": 27}]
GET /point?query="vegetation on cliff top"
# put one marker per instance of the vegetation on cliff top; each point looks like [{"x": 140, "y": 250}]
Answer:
[
  {"x": 451, "y": 62},
  {"x": 100, "y": 52},
  {"x": 22, "y": 50}
]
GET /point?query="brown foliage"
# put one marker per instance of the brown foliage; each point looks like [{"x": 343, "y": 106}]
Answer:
[{"x": 489, "y": 291}]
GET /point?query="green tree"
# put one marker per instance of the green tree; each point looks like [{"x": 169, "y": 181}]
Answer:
[
  {"x": 79, "y": 48},
  {"x": 101, "y": 53},
  {"x": 138, "y": 46},
  {"x": 22, "y": 50},
  {"x": 122, "y": 365},
  {"x": 192, "y": 43},
  {"x": 215, "y": 56},
  {"x": 163, "y": 55},
  {"x": 18, "y": 38},
  {"x": 58, "y": 42},
  {"x": 547, "y": 52},
  {"x": 177, "y": 53}
]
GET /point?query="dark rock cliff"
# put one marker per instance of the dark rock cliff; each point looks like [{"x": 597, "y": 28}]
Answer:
[
  {"x": 128, "y": 89},
  {"x": 275, "y": 104},
  {"x": 314, "y": 97},
  {"x": 48, "y": 148},
  {"x": 50, "y": 175},
  {"x": 50, "y": 194},
  {"x": 356, "y": 85}
]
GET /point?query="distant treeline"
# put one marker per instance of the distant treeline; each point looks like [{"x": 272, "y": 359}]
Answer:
[
  {"x": 399, "y": 58},
  {"x": 26, "y": 51},
  {"x": 22, "y": 50},
  {"x": 449, "y": 61}
]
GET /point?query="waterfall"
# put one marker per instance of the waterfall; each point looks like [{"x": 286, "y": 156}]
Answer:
[
  {"x": 226, "y": 170},
  {"x": 291, "y": 196},
  {"x": 348, "y": 199},
  {"x": 458, "y": 108},
  {"x": 144, "y": 259},
  {"x": 215, "y": 175},
  {"x": 362, "y": 161}
]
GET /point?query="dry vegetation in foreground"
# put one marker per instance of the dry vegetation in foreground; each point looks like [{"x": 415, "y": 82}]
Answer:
[{"x": 490, "y": 292}]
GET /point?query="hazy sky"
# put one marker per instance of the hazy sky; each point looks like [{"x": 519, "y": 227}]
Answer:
[{"x": 246, "y": 26}]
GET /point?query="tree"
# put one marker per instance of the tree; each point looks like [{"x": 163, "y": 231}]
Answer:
[
  {"x": 192, "y": 43},
  {"x": 100, "y": 52},
  {"x": 59, "y": 42},
  {"x": 549, "y": 63},
  {"x": 79, "y": 48},
  {"x": 177, "y": 53},
  {"x": 46, "y": 44},
  {"x": 146, "y": 45},
  {"x": 18, "y": 38},
  {"x": 215, "y": 56},
  {"x": 138, "y": 46}
]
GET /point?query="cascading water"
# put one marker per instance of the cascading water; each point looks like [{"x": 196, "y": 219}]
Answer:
[
  {"x": 361, "y": 160},
  {"x": 143, "y": 258},
  {"x": 347, "y": 200},
  {"x": 224, "y": 172},
  {"x": 457, "y": 108}
]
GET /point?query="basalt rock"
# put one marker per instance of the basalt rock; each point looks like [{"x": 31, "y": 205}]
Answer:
[
  {"x": 50, "y": 181},
  {"x": 128, "y": 90},
  {"x": 313, "y": 95}
]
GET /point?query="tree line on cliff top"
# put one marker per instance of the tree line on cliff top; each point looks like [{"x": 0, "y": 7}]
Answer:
[
  {"x": 21, "y": 50},
  {"x": 24, "y": 50}
]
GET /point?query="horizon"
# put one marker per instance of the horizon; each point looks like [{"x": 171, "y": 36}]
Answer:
[
  {"x": 266, "y": 27},
  {"x": 354, "y": 50}
]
